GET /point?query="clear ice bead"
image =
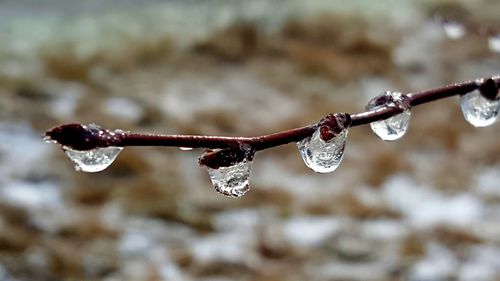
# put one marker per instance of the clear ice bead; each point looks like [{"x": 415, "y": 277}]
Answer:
[
  {"x": 322, "y": 156},
  {"x": 454, "y": 30},
  {"x": 231, "y": 181},
  {"x": 395, "y": 127},
  {"x": 478, "y": 110},
  {"x": 94, "y": 160}
]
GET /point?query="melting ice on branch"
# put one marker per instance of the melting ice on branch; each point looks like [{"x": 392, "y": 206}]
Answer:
[
  {"x": 229, "y": 169},
  {"x": 321, "y": 146},
  {"x": 324, "y": 150},
  {"x": 395, "y": 127},
  {"x": 478, "y": 110},
  {"x": 89, "y": 147},
  {"x": 94, "y": 160}
]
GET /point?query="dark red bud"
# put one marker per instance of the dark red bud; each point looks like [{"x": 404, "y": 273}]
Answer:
[
  {"x": 82, "y": 137},
  {"x": 226, "y": 157},
  {"x": 325, "y": 133},
  {"x": 333, "y": 124}
]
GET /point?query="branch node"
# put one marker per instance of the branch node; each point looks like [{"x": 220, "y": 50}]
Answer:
[
  {"x": 333, "y": 124},
  {"x": 217, "y": 158}
]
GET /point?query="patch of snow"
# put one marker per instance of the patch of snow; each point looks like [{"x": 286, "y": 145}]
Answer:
[
  {"x": 370, "y": 196},
  {"x": 123, "y": 108},
  {"x": 487, "y": 182},
  {"x": 348, "y": 271},
  {"x": 167, "y": 269},
  {"x": 145, "y": 250},
  {"x": 21, "y": 150},
  {"x": 135, "y": 243},
  {"x": 141, "y": 235},
  {"x": 32, "y": 195},
  {"x": 12, "y": 69},
  {"x": 185, "y": 97},
  {"x": 425, "y": 207},
  {"x": 420, "y": 49},
  {"x": 273, "y": 173},
  {"x": 454, "y": 30},
  {"x": 438, "y": 264},
  {"x": 232, "y": 247},
  {"x": 244, "y": 219},
  {"x": 22, "y": 154},
  {"x": 474, "y": 271},
  {"x": 373, "y": 86},
  {"x": 136, "y": 270},
  {"x": 5, "y": 275},
  {"x": 415, "y": 47},
  {"x": 160, "y": 268},
  {"x": 112, "y": 216},
  {"x": 482, "y": 264},
  {"x": 37, "y": 258},
  {"x": 387, "y": 230},
  {"x": 487, "y": 254},
  {"x": 68, "y": 97},
  {"x": 310, "y": 231}
]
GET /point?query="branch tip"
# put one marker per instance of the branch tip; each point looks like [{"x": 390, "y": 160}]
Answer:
[
  {"x": 83, "y": 137},
  {"x": 218, "y": 158}
]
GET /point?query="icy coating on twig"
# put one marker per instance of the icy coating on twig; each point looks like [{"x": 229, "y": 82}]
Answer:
[{"x": 82, "y": 137}]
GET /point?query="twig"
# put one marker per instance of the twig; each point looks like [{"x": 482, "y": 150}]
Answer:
[{"x": 82, "y": 137}]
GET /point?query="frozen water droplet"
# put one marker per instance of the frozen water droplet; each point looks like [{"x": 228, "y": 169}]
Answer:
[
  {"x": 48, "y": 139},
  {"x": 454, "y": 30},
  {"x": 478, "y": 110},
  {"x": 94, "y": 160},
  {"x": 232, "y": 180},
  {"x": 395, "y": 127},
  {"x": 185, "y": 148},
  {"x": 494, "y": 43},
  {"x": 323, "y": 156}
]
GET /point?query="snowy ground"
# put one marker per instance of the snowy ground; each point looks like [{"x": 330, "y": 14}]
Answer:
[{"x": 424, "y": 208}]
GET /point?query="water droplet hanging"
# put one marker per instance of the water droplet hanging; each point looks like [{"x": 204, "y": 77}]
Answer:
[
  {"x": 229, "y": 169},
  {"x": 478, "y": 110},
  {"x": 94, "y": 160},
  {"x": 324, "y": 156},
  {"x": 231, "y": 181},
  {"x": 395, "y": 127}
]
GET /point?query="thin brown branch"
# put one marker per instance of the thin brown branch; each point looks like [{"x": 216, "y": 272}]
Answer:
[{"x": 81, "y": 137}]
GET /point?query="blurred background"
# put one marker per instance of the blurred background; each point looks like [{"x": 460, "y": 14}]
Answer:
[{"x": 426, "y": 207}]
